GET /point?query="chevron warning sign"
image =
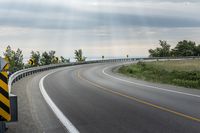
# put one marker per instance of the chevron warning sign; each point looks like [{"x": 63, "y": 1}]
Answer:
[
  {"x": 6, "y": 67},
  {"x": 31, "y": 62},
  {"x": 4, "y": 98}
]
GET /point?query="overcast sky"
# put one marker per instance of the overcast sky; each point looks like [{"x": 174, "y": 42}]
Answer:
[{"x": 100, "y": 27}]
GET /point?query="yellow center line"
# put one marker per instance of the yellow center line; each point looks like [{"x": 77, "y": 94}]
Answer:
[{"x": 139, "y": 100}]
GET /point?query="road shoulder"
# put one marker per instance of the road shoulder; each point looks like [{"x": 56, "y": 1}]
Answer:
[{"x": 34, "y": 114}]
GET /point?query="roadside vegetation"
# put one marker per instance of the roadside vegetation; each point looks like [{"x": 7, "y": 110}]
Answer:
[
  {"x": 183, "y": 48},
  {"x": 180, "y": 72},
  {"x": 79, "y": 55},
  {"x": 16, "y": 58}
]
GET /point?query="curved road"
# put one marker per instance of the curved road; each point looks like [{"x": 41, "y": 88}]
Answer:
[{"x": 95, "y": 100}]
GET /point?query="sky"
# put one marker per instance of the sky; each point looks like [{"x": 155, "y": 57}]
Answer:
[{"x": 113, "y": 28}]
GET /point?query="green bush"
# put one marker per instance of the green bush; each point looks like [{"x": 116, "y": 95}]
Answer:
[
  {"x": 130, "y": 70},
  {"x": 152, "y": 72},
  {"x": 186, "y": 83}
]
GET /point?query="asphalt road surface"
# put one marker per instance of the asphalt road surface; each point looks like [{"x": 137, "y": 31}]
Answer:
[{"x": 96, "y": 100}]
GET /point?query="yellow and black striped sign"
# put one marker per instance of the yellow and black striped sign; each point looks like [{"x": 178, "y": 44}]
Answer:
[
  {"x": 6, "y": 67},
  {"x": 31, "y": 62},
  {"x": 4, "y": 98}
]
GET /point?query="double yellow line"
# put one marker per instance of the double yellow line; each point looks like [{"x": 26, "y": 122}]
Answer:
[{"x": 139, "y": 100}]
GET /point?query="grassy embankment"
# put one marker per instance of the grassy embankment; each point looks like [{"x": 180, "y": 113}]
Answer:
[{"x": 182, "y": 73}]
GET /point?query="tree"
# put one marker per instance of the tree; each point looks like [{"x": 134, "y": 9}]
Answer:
[
  {"x": 15, "y": 59},
  {"x": 103, "y": 57},
  {"x": 64, "y": 60},
  {"x": 55, "y": 60},
  {"x": 163, "y": 51},
  {"x": 127, "y": 56},
  {"x": 197, "y": 50},
  {"x": 52, "y": 55},
  {"x": 79, "y": 55},
  {"x": 45, "y": 59},
  {"x": 154, "y": 53},
  {"x": 184, "y": 48},
  {"x": 49, "y": 58},
  {"x": 35, "y": 56}
]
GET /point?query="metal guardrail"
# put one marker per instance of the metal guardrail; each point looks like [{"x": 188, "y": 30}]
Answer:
[{"x": 26, "y": 72}]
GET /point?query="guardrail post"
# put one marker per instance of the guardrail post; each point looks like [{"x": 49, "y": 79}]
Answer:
[
  {"x": 13, "y": 108},
  {"x": 2, "y": 127}
]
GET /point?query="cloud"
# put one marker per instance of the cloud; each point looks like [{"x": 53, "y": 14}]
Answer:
[
  {"x": 127, "y": 26},
  {"x": 88, "y": 15}
]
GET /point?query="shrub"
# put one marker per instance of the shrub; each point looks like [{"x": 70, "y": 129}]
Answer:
[
  {"x": 186, "y": 83},
  {"x": 141, "y": 64},
  {"x": 129, "y": 70},
  {"x": 157, "y": 73}
]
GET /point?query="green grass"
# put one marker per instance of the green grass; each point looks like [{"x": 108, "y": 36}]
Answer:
[{"x": 182, "y": 73}]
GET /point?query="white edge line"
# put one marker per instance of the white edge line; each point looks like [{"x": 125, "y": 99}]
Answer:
[
  {"x": 63, "y": 119},
  {"x": 148, "y": 86}
]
